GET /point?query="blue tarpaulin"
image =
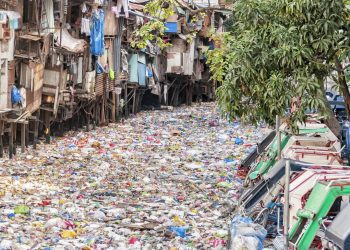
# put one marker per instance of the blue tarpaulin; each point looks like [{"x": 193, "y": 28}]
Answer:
[{"x": 171, "y": 27}]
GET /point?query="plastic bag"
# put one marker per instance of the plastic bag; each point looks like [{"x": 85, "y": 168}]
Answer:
[
  {"x": 16, "y": 96},
  {"x": 99, "y": 68},
  {"x": 111, "y": 74},
  {"x": 245, "y": 243},
  {"x": 179, "y": 231},
  {"x": 243, "y": 228}
]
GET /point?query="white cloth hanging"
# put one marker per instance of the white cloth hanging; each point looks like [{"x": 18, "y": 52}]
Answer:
[
  {"x": 85, "y": 26},
  {"x": 49, "y": 15},
  {"x": 117, "y": 9}
]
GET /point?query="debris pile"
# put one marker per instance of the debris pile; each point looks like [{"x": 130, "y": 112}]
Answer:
[{"x": 159, "y": 180}]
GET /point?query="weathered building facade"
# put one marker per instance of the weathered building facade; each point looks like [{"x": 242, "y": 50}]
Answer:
[{"x": 70, "y": 63}]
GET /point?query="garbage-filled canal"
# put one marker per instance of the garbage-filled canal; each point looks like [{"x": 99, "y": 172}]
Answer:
[{"x": 159, "y": 180}]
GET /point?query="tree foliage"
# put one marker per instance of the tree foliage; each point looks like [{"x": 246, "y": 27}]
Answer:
[
  {"x": 276, "y": 50},
  {"x": 154, "y": 29}
]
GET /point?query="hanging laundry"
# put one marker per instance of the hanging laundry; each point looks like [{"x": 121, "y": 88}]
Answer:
[
  {"x": 85, "y": 26},
  {"x": 117, "y": 9},
  {"x": 125, "y": 63},
  {"x": 149, "y": 72},
  {"x": 13, "y": 18},
  {"x": 84, "y": 8},
  {"x": 3, "y": 17},
  {"x": 50, "y": 19},
  {"x": 97, "y": 33}
]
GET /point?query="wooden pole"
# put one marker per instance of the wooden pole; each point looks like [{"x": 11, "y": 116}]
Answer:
[
  {"x": 10, "y": 141},
  {"x": 88, "y": 119},
  {"x": 14, "y": 132},
  {"x": 117, "y": 106},
  {"x": 97, "y": 112},
  {"x": 48, "y": 128},
  {"x": 36, "y": 129},
  {"x": 126, "y": 100},
  {"x": 134, "y": 101},
  {"x": 27, "y": 134},
  {"x": 113, "y": 106},
  {"x": 23, "y": 137},
  {"x": 1, "y": 137},
  {"x": 103, "y": 114}
]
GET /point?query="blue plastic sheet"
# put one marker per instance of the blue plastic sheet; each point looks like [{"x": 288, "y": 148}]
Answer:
[
  {"x": 99, "y": 68},
  {"x": 97, "y": 33},
  {"x": 171, "y": 27},
  {"x": 238, "y": 141},
  {"x": 16, "y": 96},
  {"x": 179, "y": 231}
]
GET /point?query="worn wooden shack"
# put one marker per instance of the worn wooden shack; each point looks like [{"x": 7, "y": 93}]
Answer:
[{"x": 68, "y": 64}]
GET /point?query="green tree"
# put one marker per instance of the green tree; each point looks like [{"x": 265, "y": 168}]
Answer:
[
  {"x": 154, "y": 29},
  {"x": 279, "y": 49}
]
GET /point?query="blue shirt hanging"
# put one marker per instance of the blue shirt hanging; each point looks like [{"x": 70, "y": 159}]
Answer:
[{"x": 97, "y": 33}]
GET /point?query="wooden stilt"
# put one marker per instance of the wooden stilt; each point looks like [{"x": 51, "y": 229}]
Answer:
[
  {"x": 118, "y": 107},
  {"x": 78, "y": 122},
  {"x": 47, "y": 127},
  {"x": 191, "y": 92},
  {"x": 113, "y": 106},
  {"x": 14, "y": 131},
  {"x": 98, "y": 116},
  {"x": 134, "y": 100},
  {"x": 27, "y": 134},
  {"x": 88, "y": 119},
  {"x": 36, "y": 129},
  {"x": 93, "y": 115},
  {"x": 10, "y": 134},
  {"x": 126, "y": 106},
  {"x": 1, "y": 137},
  {"x": 23, "y": 137},
  {"x": 160, "y": 96},
  {"x": 103, "y": 114}
]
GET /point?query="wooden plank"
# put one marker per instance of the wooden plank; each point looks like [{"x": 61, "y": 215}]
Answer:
[
  {"x": 30, "y": 37},
  {"x": 58, "y": 89},
  {"x": 34, "y": 96},
  {"x": 21, "y": 121}
]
